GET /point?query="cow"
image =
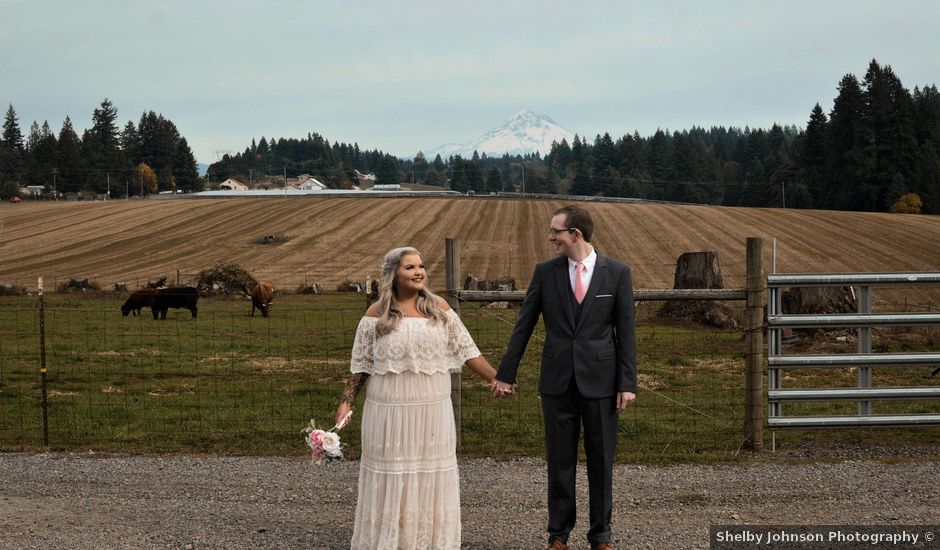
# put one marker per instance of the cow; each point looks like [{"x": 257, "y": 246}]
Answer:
[
  {"x": 177, "y": 297},
  {"x": 261, "y": 297},
  {"x": 138, "y": 300}
]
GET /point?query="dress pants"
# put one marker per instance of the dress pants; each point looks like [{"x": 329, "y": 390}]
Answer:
[{"x": 564, "y": 415}]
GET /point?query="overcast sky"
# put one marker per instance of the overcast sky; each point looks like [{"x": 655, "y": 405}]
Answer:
[{"x": 402, "y": 76}]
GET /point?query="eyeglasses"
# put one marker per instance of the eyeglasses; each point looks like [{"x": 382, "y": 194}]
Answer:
[{"x": 552, "y": 232}]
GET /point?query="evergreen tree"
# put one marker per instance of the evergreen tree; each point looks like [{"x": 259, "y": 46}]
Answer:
[
  {"x": 560, "y": 155},
  {"x": 433, "y": 177},
  {"x": 630, "y": 155},
  {"x": 458, "y": 174},
  {"x": 12, "y": 136},
  {"x": 812, "y": 149},
  {"x": 849, "y": 145},
  {"x": 732, "y": 183},
  {"x": 474, "y": 180},
  {"x": 130, "y": 142},
  {"x": 42, "y": 153},
  {"x": 662, "y": 169},
  {"x": 419, "y": 168},
  {"x": 926, "y": 178},
  {"x": 606, "y": 178},
  {"x": 101, "y": 150},
  {"x": 494, "y": 182},
  {"x": 68, "y": 175},
  {"x": 185, "y": 171},
  {"x": 582, "y": 184},
  {"x": 388, "y": 174},
  {"x": 11, "y": 148},
  {"x": 889, "y": 112}
]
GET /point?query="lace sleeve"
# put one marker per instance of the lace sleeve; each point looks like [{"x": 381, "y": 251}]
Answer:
[
  {"x": 362, "y": 359},
  {"x": 460, "y": 345}
]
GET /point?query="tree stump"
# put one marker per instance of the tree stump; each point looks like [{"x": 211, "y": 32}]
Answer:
[
  {"x": 373, "y": 295},
  {"x": 482, "y": 283},
  {"x": 700, "y": 270},
  {"x": 77, "y": 284},
  {"x": 819, "y": 300}
]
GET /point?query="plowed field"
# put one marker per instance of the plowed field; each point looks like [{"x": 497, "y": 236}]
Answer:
[{"x": 333, "y": 239}]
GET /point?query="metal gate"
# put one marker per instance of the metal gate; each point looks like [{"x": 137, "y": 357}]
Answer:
[{"x": 864, "y": 360}]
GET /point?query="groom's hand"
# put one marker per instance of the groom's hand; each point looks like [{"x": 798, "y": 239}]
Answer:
[{"x": 624, "y": 398}]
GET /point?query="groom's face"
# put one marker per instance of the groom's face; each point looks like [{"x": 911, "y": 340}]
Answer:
[{"x": 561, "y": 238}]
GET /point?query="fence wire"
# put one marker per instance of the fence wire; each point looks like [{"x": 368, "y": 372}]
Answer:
[{"x": 227, "y": 382}]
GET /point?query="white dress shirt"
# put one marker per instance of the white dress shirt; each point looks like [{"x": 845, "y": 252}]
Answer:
[{"x": 588, "y": 269}]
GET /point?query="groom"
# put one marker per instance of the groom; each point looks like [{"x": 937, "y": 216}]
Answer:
[{"x": 588, "y": 370}]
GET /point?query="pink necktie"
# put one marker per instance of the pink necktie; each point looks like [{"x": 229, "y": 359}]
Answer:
[{"x": 579, "y": 287}]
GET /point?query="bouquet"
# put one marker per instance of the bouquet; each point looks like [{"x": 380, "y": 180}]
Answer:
[{"x": 324, "y": 445}]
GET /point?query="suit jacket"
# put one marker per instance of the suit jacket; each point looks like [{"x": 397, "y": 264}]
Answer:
[{"x": 598, "y": 348}]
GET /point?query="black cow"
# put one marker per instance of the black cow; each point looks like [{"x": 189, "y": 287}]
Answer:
[{"x": 184, "y": 297}]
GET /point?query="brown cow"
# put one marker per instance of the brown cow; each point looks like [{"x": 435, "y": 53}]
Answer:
[
  {"x": 261, "y": 297},
  {"x": 138, "y": 300}
]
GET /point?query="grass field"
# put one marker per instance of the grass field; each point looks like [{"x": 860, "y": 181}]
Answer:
[
  {"x": 231, "y": 383},
  {"x": 330, "y": 240}
]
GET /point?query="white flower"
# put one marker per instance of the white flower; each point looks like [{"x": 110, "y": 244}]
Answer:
[{"x": 330, "y": 442}]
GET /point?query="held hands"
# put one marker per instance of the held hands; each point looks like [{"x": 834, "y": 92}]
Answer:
[{"x": 502, "y": 390}]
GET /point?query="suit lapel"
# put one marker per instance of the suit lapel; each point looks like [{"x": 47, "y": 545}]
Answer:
[
  {"x": 600, "y": 272},
  {"x": 564, "y": 289}
]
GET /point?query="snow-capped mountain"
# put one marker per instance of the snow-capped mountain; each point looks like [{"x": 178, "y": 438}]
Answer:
[{"x": 526, "y": 132}]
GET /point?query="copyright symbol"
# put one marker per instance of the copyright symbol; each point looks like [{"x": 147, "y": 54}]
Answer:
[{"x": 928, "y": 536}]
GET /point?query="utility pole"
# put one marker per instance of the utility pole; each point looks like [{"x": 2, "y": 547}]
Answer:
[
  {"x": 55, "y": 195},
  {"x": 523, "y": 178},
  {"x": 108, "y": 196},
  {"x": 783, "y": 192}
]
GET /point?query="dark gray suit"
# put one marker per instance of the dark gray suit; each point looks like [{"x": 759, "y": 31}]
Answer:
[{"x": 589, "y": 356}]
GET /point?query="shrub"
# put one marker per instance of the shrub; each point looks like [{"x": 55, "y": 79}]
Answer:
[
  {"x": 225, "y": 279},
  {"x": 907, "y": 204}
]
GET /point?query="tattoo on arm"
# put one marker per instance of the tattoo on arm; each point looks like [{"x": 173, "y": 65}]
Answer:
[{"x": 354, "y": 383}]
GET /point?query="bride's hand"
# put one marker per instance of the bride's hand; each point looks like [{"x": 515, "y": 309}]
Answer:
[{"x": 343, "y": 414}]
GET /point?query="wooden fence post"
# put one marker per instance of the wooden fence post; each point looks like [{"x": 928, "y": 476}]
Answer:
[
  {"x": 756, "y": 291},
  {"x": 452, "y": 283},
  {"x": 42, "y": 366}
]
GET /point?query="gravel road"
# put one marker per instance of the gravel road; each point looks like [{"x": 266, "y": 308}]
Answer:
[{"x": 61, "y": 500}]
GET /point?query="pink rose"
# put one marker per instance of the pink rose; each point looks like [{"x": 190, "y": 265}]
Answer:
[{"x": 315, "y": 441}]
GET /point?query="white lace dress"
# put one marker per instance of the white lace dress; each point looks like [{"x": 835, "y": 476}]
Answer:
[{"x": 409, "y": 491}]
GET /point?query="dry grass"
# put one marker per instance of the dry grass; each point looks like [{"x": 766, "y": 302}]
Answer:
[{"x": 334, "y": 239}]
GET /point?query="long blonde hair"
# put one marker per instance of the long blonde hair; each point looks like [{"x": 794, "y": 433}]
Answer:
[{"x": 428, "y": 304}]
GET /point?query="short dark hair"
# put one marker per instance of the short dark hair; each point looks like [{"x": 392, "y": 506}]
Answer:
[{"x": 578, "y": 218}]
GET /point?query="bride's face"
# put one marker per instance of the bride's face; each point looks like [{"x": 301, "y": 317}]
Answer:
[{"x": 410, "y": 275}]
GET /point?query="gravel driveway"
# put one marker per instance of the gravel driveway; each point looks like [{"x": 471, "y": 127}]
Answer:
[{"x": 101, "y": 501}]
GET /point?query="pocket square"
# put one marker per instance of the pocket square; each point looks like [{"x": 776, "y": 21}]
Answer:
[{"x": 604, "y": 296}]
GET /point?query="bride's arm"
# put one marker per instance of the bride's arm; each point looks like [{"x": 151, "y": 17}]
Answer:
[
  {"x": 482, "y": 367},
  {"x": 354, "y": 383}
]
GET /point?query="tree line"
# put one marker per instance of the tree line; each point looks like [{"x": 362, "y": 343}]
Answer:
[
  {"x": 142, "y": 158},
  {"x": 335, "y": 164},
  {"x": 878, "y": 149}
]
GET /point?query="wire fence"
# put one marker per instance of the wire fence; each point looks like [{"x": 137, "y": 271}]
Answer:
[{"x": 229, "y": 382}]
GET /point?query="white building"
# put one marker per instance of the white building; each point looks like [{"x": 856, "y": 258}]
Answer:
[
  {"x": 232, "y": 185},
  {"x": 310, "y": 184}
]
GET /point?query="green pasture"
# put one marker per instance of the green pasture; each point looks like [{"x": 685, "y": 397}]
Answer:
[{"x": 231, "y": 383}]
